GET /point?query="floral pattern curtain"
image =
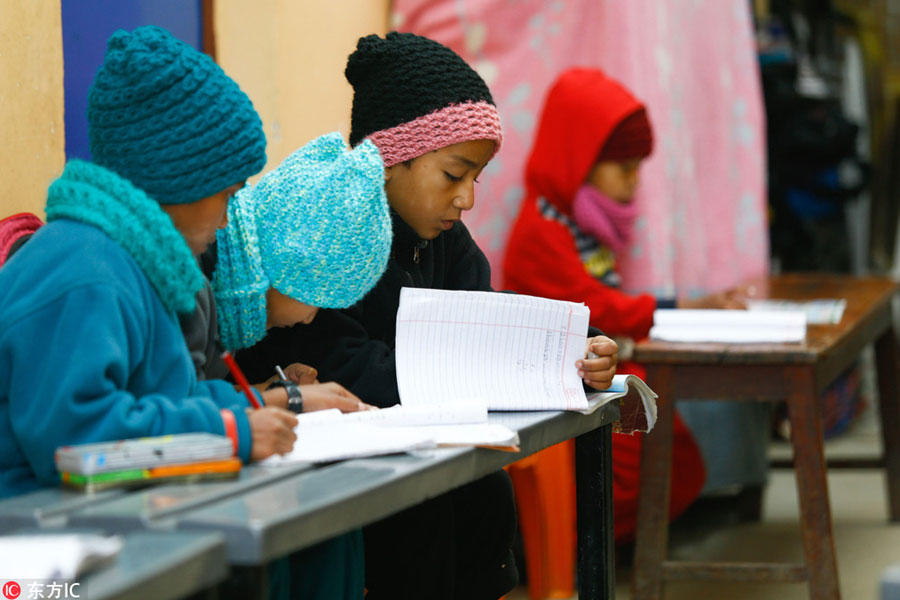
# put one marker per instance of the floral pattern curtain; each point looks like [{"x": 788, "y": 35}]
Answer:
[{"x": 693, "y": 62}]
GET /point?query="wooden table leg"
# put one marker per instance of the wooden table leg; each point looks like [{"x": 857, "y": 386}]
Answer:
[
  {"x": 812, "y": 484},
  {"x": 653, "y": 503},
  {"x": 594, "y": 504},
  {"x": 886, "y": 363}
]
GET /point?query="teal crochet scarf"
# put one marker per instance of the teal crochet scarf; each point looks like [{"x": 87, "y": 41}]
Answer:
[{"x": 94, "y": 195}]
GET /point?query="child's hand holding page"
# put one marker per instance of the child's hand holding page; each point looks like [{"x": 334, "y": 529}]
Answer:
[{"x": 599, "y": 366}]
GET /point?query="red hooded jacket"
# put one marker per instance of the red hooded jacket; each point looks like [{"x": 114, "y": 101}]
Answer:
[{"x": 580, "y": 112}]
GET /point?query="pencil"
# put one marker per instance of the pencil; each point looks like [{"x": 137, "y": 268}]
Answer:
[{"x": 240, "y": 379}]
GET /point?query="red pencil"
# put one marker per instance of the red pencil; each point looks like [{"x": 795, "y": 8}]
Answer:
[{"x": 240, "y": 379}]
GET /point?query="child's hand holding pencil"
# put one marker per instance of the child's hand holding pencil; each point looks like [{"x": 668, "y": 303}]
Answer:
[{"x": 273, "y": 432}]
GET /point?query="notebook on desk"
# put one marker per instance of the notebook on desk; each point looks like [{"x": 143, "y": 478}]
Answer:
[
  {"x": 728, "y": 326},
  {"x": 463, "y": 423},
  {"x": 513, "y": 352},
  {"x": 458, "y": 355}
]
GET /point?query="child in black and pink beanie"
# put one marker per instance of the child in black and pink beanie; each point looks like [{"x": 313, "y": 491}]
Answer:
[
  {"x": 435, "y": 123},
  {"x": 413, "y": 95}
]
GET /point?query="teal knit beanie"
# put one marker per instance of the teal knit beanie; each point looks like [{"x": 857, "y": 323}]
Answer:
[
  {"x": 317, "y": 229},
  {"x": 167, "y": 118}
]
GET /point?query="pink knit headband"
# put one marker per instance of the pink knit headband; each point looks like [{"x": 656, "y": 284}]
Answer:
[{"x": 450, "y": 125}]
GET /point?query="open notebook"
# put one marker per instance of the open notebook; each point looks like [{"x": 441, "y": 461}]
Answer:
[
  {"x": 330, "y": 435},
  {"x": 513, "y": 352},
  {"x": 460, "y": 354},
  {"x": 326, "y": 443}
]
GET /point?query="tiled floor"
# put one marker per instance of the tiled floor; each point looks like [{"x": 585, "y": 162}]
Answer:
[{"x": 865, "y": 542}]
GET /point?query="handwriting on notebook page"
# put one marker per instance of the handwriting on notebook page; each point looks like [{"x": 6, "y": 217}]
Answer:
[{"x": 512, "y": 351}]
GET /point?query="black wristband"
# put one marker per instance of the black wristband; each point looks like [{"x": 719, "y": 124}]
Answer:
[{"x": 295, "y": 398}]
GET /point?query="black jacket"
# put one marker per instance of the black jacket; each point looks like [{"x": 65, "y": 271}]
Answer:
[{"x": 355, "y": 346}]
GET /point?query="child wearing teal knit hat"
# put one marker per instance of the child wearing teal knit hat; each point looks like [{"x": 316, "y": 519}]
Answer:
[
  {"x": 314, "y": 233},
  {"x": 88, "y": 305},
  {"x": 90, "y": 346},
  {"x": 168, "y": 119}
]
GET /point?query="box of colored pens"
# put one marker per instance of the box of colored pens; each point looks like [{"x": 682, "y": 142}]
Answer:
[
  {"x": 188, "y": 456},
  {"x": 189, "y": 472}
]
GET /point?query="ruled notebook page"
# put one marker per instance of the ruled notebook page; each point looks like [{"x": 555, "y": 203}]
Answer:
[
  {"x": 456, "y": 413},
  {"x": 458, "y": 423},
  {"x": 514, "y": 352}
]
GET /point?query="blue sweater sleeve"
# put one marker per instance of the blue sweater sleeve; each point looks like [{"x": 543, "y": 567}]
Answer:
[
  {"x": 72, "y": 363},
  {"x": 224, "y": 394}
]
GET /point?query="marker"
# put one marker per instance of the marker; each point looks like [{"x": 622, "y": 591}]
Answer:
[
  {"x": 281, "y": 374},
  {"x": 240, "y": 379}
]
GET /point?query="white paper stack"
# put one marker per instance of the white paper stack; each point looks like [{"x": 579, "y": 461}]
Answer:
[
  {"x": 822, "y": 311},
  {"x": 51, "y": 556},
  {"x": 728, "y": 326}
]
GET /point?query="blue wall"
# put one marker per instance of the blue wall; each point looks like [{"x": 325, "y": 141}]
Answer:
[{"x": 87, "y": 24}]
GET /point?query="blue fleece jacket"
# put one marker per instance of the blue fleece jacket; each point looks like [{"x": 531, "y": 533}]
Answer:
[{"x": 89, "y": 353}]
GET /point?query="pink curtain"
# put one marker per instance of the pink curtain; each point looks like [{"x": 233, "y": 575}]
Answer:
[{"x": 702, "y": 199}]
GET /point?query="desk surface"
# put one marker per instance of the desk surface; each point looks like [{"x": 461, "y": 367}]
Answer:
[
  {"x": 156, "y": 566},
  {"x": 302, "y": 509},
  {"x": 868, "y": 311},
  {"x": 48, "y": 507},
  {"x": 51, "y": 507}
]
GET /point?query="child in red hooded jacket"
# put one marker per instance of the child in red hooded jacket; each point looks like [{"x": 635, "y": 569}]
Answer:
[{"x": 576, "y": 217}]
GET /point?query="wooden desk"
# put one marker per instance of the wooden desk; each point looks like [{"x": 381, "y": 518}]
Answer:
[{"x": 797, "y": 373}]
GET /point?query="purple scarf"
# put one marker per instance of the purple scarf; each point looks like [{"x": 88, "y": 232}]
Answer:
[{"x": 610, "y": 222}]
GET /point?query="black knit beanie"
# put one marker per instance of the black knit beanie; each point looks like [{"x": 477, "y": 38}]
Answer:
[{"x": 413, "y": 95}]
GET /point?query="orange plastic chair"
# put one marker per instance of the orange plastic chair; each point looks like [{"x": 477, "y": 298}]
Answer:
[{"x": 545, "y": 500}]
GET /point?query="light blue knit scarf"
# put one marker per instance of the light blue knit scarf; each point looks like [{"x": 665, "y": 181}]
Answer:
[
  {"x": 240, "y": 282},
  {"x": 94, "y": 195}
]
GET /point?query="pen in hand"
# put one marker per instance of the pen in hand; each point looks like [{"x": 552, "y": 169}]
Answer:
[{"x": 240, "y": 379}]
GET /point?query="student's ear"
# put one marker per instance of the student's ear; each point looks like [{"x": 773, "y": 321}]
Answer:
[{"x": 388, "y": 173}]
